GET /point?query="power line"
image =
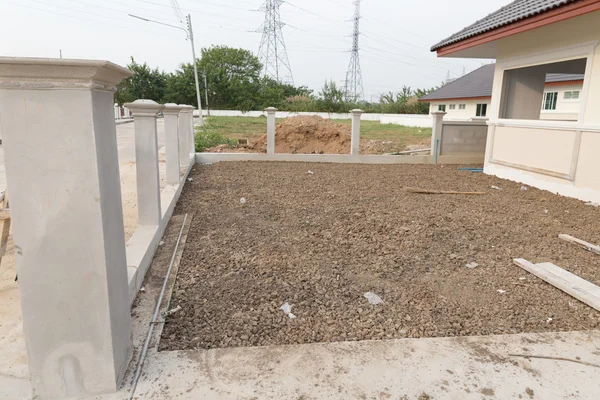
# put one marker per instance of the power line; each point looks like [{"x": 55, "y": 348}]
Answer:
[
  {"x": 272, "y": 51},
  {"x": 354, "y": 84}
]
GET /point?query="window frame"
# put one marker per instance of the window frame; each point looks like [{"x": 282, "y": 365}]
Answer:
[
  {"x": 481, "y": 110},
  {"x": 571, "y": 94},
  {"x": 441, "y": 108},
  {"x": 452, "y": 106},
  {"x": 462, "y": 107},
  {"x": 553, "y": 103}
]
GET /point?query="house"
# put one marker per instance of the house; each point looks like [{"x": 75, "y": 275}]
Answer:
[
  {"x": 530, "y": 39},
  {"x": 469, "y": 96}
]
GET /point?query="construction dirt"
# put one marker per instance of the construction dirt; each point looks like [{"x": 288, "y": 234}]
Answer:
[
  {"x": 320, "y": 236},
  {"x": 316, "y": 135}
]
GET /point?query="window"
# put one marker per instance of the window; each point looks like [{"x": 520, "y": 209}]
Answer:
[
  {"x": 481, "y": 110},
  {"x": 442, "y": 107},
  {"x": 572, "y": 95},
  {"x": 549, "y": 102},
  {"x": 462, "y": 106},
  {"x": 452, "y": 106}
]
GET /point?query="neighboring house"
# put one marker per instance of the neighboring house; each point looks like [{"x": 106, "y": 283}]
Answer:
[
  {"x": 469, "y": 97},
  {"x": 529, "y": 40}
]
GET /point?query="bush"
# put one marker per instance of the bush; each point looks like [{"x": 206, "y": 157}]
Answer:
[{"x": 209, "y": 135}]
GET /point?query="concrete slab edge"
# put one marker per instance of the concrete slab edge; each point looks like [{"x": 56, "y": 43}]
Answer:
[{"x": 210, "y": 158}]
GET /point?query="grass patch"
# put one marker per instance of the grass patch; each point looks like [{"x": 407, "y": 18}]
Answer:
[{"x": 210, "y": 134}]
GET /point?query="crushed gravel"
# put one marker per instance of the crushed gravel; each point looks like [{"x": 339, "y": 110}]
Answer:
[{"x": 320, "y": 241}]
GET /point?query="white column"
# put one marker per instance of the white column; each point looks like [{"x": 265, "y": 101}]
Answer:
[
  {"x": 62, "y": 167},
  {"x": 184, "y": 135},
  {"x": 271, "y": 129},
  {"x": 171, "y": 113},
  {"x": 192, "y": 148},
  {"x": 355, "y": 142},
  {"x": 146, "y": 160},
  {"x": 436, "y": 133}
]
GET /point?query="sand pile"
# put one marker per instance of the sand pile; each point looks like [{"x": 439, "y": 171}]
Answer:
[{"x": 308, "y": 135}]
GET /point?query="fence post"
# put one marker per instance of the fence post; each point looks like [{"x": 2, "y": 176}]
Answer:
[
  {"x": 184, "y": 135},
  {"x": 355, "y": 142},
  {"x": 171, "y": 113},
  {"x": 436, "y": 134},
  {"x": 62, "y": 166},
  {"x": 146, "y": 159},
  {"x": 271, "y": 129},
  {"x": 192, "y": 148}
]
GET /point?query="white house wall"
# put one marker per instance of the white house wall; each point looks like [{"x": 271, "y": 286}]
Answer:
[
  {"x": 469, "y": 112},
  {"x": 558, "y": 156},
  {"x": 566, "y": 109}
]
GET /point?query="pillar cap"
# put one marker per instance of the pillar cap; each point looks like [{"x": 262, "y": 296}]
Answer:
[
  {"x": 357, "y": 111},
  {"x": 144, "y": 108},
  {"x": 58, "y": 73},
  {"x": 270, "y": 109},
  {"x": 172, "y": 109},
  {"x": 439, "y": 113}
]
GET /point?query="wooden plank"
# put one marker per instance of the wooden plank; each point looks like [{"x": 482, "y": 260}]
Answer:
[
  {"x": 427, "y": 191},
  {"x": 588, "y": 246},
  {"x": 569, "y": 283}
]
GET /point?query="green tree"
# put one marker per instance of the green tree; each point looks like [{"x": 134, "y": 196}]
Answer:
[
  {"x": 146, "y": 83},
  {"x": 331, "y": 98}
]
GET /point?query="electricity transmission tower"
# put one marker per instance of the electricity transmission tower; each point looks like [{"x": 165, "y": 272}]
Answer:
[
  {"x": 272, "y": 51},
  {"x": 354, "y": 84}
]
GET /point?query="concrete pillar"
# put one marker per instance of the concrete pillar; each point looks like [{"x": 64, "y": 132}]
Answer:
[
  {"x": 271, "y": 129},
  {"x": 192, "y": 149},
  {"x": 62, "y": 167},
  {"x": 171, "y": 113},
  {"x": 355, "y": 143},
  {"x": 146, "y": 160},
  {"x": 436, "y": 133},
  {"x": 184, "y": 135}
]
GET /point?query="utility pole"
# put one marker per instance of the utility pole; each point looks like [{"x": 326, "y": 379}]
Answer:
[
  {"x": 191, "y": 37},
  {"x": 206, "y": 92},
  {"x": 60, "y": 52},
  {"x": 354, "y": 84},
  {"x": 272, "y": 51}
]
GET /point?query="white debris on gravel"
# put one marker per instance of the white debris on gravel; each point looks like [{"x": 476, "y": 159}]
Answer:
[
  {"x": 496, "y": 187},
  {"x": 501, "y": 291},
  {"x": 161, "y": 243},
  {"x": 310, "y": 173},
  {"x": 190, "y": 179},
  {"x": 549, "y": 320},
  {"x": 173, "y": 311},
  {"x": 243, "y": 200},
  {"x": 287, "y": 310},
  {"x": 524, "y": 188},
  {"x": 373, "y": 298},
  {"x": 472, "y": 265}
]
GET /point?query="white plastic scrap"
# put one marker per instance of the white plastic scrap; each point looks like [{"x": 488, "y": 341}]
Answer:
[
  {"x": 524, "y": 188},
  {"x": 496, "y": 187},
  {"x": 472, "y": 265},
  {"x": 501, "y": 291},
  {"x": 173, "y": 311},
  {"x": 243, "y": 200},
  {"x": 373, "y": 298},
  {"x": 161, "y": 243},
  {"x": 287, "y": 309},
  {"x": 310, "y": 173},
  {"x": 190, "y": 179},
  {"x": 549, "y": 320}
]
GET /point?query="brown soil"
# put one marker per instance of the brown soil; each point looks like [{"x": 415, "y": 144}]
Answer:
[
  {"x": 308, "y": 135},
  {"x": 320, "y": 241}
]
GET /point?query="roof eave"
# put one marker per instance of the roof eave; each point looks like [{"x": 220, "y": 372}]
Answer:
[{"x": 549, "y": 17}]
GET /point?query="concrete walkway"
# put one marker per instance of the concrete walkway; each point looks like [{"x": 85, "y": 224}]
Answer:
[{"x": 14, "y": 374}]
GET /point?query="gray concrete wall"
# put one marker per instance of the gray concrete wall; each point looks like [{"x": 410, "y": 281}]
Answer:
[{"x": 463, "y": 138}]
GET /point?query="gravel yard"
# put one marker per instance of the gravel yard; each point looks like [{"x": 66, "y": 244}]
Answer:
[{"x": 321, "y": 240}]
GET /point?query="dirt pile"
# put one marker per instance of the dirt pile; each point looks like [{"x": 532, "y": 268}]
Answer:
[{"x": 308, "y": 135}]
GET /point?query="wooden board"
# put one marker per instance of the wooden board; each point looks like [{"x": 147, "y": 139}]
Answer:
[
  {"x": 569, "y": 283},
  {"x": 591, "y": 247}
]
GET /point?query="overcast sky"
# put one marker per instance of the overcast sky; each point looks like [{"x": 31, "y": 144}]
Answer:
[{"x": 395, "y": 41}]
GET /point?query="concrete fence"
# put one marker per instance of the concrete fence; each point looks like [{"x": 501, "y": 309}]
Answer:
[
  {"x": 412, "y": 120},
  {"x": 452, "y": 143},
  {"x": 77, "y": 276}
]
